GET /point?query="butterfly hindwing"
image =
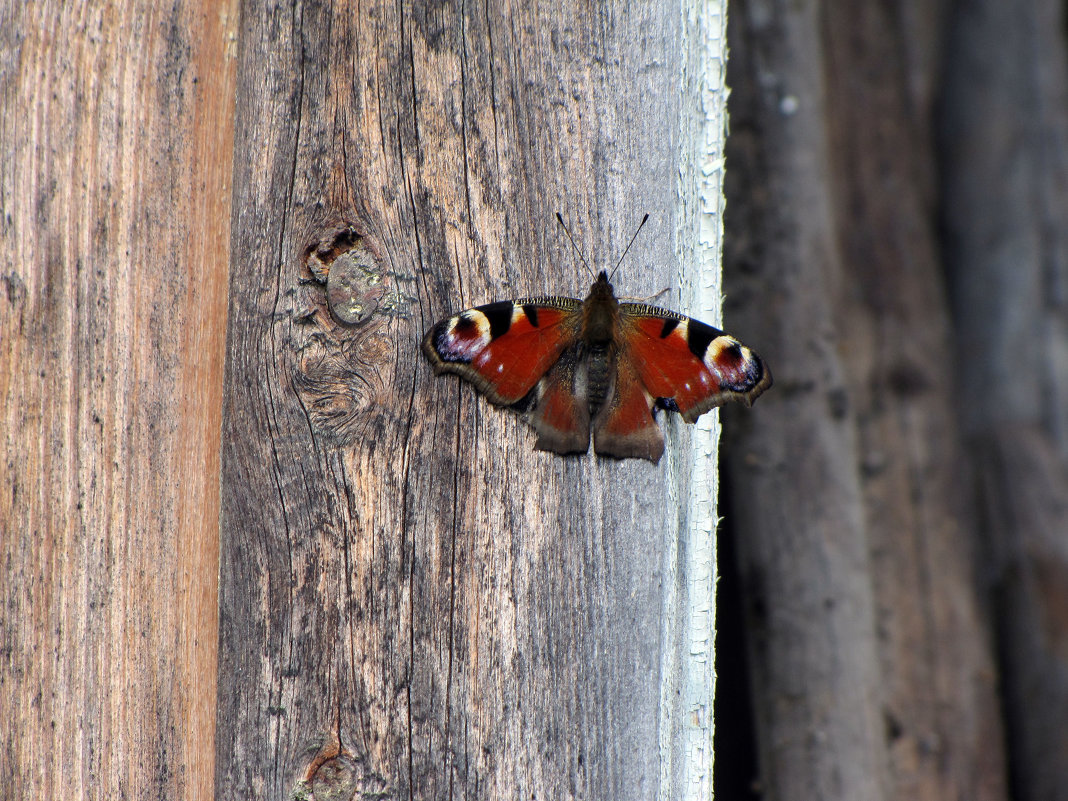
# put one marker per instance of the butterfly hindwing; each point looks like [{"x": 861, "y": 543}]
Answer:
[
  {"x": 624, "y": 426},
  {"x": 504, "y": 348},
  {"x": 688, "y": 366},
  {"x": 559, "y": 408}
]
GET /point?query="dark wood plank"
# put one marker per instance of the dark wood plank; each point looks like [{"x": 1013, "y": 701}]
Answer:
[
  {"x": 939, "y": 696},
  {"x": 1025, "y": 496},
  {"x": 413, "y": 602},
  {"x": 1004, "y": 125},
  {"x": 115, "y": 135},
  {"x": 856, "y": 525},
  {"x": 797, "y": 499}
]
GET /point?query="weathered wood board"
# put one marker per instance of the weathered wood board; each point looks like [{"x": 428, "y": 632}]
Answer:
[
  {"x": 414, "y": 603},
  {"x": 115, "y": 164}
]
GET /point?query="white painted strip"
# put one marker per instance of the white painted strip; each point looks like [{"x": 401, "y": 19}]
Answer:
[{"x": 688, "y": 669}]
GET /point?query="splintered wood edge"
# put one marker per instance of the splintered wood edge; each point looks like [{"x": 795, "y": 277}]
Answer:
[{"x": 688, "y": 666}]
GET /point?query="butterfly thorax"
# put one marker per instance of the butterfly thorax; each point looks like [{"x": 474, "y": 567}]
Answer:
[{"x": 600, "y": 314}]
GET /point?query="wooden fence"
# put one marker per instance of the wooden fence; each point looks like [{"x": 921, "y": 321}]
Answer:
[{"x": 251, "y": 548}]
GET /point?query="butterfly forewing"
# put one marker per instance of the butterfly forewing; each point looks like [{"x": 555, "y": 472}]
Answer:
[
  {"x": 504, "y": 348},
  {"x": 692, "y": 366}
]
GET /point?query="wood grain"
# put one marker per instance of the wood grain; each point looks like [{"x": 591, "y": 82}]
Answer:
[
  {"x": 115, "y": 134},
  {"x": 798, "y": 504},
  {"x": 414, "y": 604},
  {"x": 939, "y": 698}
]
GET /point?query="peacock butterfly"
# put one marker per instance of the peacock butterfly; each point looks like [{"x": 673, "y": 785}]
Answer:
[{"x": 572, "y": 367}]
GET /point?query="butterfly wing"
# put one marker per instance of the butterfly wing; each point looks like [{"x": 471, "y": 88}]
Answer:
[
  {"x": 559, "y": 406},
  {"x": 504, "y": 348},
  {"x": 529, "y": 354},
  {"x": 625, "y": 427},
  {"x": 524, "y": 354},
  {"x": 688, "y": 366}
]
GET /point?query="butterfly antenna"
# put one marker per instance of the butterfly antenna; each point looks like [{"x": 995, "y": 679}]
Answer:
[
  {"x": 585, "y": 263},
  {"x": 627, "y": 248}
]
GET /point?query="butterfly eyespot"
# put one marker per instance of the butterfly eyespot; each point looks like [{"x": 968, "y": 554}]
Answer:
[
  {"x": 460, "y": 338},
  {"x": 733, "y": 351},
  {"x": 464, "y": 326}
]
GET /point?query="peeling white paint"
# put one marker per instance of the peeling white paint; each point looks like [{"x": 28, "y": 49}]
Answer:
[{"x": 688, "y": 669}]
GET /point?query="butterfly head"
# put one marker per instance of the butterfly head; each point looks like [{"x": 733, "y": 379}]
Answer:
[
  {"x": 600, "y": 312},
  {"x": 601, "y": 288}
]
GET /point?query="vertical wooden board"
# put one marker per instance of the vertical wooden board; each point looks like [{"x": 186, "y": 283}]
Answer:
[
  {"x": 688, "y": 678},
  {"x": 115, "y": 141},
  {"x": 855, "y": 523},
  {"x": 413, "y": 602},
  {"x": 939, "y": 694},
  {"x": 797, "y": 498},
  {"x": 1007, "y": 257}
]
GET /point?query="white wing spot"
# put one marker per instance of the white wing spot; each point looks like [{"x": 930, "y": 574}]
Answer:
[{"x": 500, "y": 368}]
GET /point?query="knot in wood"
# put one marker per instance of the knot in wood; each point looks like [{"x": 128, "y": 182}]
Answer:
[
  {"x": 354, "y": 287},
  {"x": 344, "y": 778},
  {"x": 347, "y": 355},
  {"x": 348, "y": 265}
]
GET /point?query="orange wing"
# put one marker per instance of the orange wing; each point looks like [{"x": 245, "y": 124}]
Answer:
[
  {"x": 688, "y": 366},
  {"x": 504, "y": 348}
]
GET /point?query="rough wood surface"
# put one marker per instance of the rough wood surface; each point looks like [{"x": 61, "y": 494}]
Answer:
[
  {"x": 414, "y": 604},
  {"x": 115, "y": 152},
  {"x": 1025, "y": 490},
  {"x": 872, "y": 661},
  {"x": 939, "y": 699}
]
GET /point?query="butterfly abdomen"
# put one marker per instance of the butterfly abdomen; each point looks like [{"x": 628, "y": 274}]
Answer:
[
  {"x": 600, "y": 332},
  {"x": 598, "y": 375}
]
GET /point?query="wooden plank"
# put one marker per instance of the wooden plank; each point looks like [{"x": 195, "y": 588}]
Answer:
[
  {"x": 939, "y": 691},
  {"x": 797, "y": 500},
  {"x": 1007, "y": 259},
  {"x": 873, "y": 669},
  {"x": 688, "y": 677},
  {"x": 413, "y": 602},
  {"x": 1025, "y": 494},
  {"x": 116, "y": 139}
]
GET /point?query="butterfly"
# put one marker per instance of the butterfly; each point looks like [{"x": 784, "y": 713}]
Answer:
[
  {"x": 574, "y": 367},
  {"x": 597, "y": 365}
]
